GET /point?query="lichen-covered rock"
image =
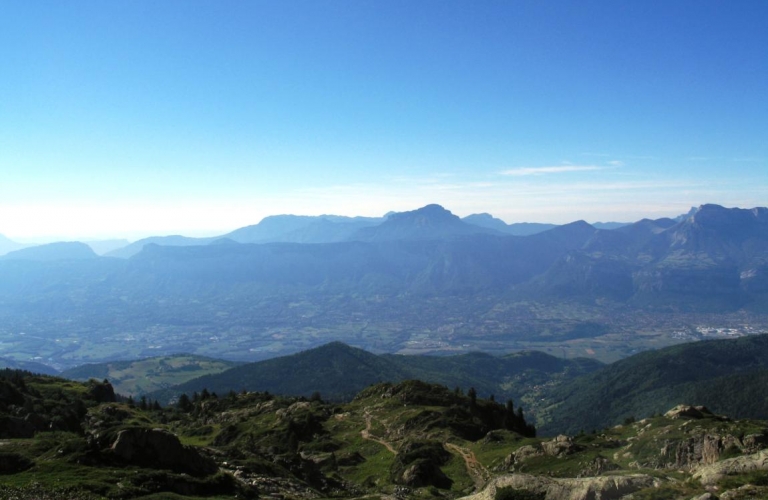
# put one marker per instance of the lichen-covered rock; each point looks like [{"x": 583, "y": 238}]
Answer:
[
  {"x": 525, "y": 452},
  {"x": 560, "y": 446},
  {"x": 603, "y": 488},
  {"x": 711, "y": 474},
  {"x": 746, "y": 492},
  {"x": 598, "y": 467},
  {"x": 161, "y": 449},
  {"x": 702, "y": 449},
  {"x": 753, "y": 443}
]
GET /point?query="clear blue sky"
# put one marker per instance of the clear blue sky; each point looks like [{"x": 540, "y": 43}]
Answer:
[{"x": 196, "y": 117}]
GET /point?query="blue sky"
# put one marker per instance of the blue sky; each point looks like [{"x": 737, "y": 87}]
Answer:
[{"x": 196, "y": 117}]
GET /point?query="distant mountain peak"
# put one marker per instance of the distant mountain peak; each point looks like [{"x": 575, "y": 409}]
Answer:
[
  {"x": 432, "y": 212},
  {"x": 62, "y": 250},
  {"x": 428, "y": 222}
]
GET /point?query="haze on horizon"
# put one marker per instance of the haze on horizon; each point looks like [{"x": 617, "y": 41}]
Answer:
[{"x": 130, "y": 119}]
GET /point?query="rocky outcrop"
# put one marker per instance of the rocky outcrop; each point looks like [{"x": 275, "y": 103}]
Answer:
[
  {"x": 160, "y": 449},
  {"x": 711, "y": 474},
  {"x": 560, "y": 446},
  {"x": 591, "y": 488},
  {"x": 702, "y": 449},
  {"x": 424, "y": 473},
  {"x": 418, "y": 464},
  {"x": 694, "y": 412},
  {"x": 752, "y": 443}
]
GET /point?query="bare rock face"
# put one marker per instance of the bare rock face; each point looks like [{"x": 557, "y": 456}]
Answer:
[
  {"x": 703, "y": 449},
  {"x": 521, "y": 455},
  {"x": 589, "y": 488},
  {"x": 560, "y": 446},
  {"x": 161, "y": 449},
  {"x": 711, "y": 474},
  {"x": 753, "y": 443}
]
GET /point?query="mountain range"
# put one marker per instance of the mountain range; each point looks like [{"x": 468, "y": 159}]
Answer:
[
  {"x": 433, "y": 222},
  {"x": 424, "y": 280}
]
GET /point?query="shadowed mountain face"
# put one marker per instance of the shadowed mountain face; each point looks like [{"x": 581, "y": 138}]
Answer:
[
  {"x": 8, "y": 245},
  {"x": 720, "y": 374},
  {"x": 338, "y": 372}
]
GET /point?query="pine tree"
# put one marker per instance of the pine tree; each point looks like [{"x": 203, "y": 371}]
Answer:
[
  {"x": 472, "y": 393},
  {"x": 184, "y": 404}
]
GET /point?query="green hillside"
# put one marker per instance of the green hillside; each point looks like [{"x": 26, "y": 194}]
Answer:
[
  {"x": 61, "y": 439},
  {"x": 132, "y": 378},
  {"x": 724, "y": 375},
  {"x": 338, "y": 372}
]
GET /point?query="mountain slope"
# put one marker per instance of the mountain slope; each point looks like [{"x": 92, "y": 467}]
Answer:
[
  {"x": 338, "y": 371},
  {"x": 720, "y": 374},
  {"x": 71, "y": 250},
  {"x": 302, "y": 229},
  {"x": 175, "y": 241},
  {"x": 30, "y": 366},
  {"x": 8, "y": 245},
  {"x": 63, "y": 439},
  {"x": 335, "y": 370},
  {"x": 132, "y": 378}
]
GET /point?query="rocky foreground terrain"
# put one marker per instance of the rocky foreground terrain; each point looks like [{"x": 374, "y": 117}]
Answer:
[{"x": 62, "y": 439}]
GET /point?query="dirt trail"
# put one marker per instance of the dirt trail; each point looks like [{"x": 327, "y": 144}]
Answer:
[
  {"x": 479, "y": 474},
  {"x": 366, "y": 434}
]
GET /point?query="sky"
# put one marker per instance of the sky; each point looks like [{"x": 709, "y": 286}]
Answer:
[{"x": 136, "y": 118}]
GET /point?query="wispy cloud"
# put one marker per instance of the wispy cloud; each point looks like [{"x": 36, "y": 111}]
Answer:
[
  {"x": 560, "y": 169},
  {"x": 616, "y": 163}
]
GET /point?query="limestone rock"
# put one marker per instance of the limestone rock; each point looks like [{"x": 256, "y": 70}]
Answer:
[
  {"x": 711, "y": 474},
  {"x": 560, "y": 446},
  {"x": 703, "y": 449},
  {"x": 755, "y": 442},
  {"x": 604, "y": 488},
  {"x": 526, "y": 452}
]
